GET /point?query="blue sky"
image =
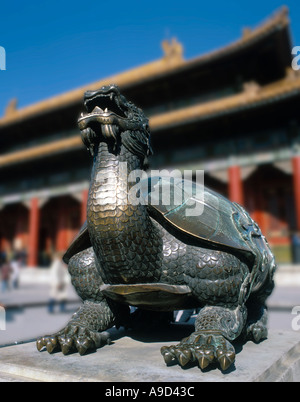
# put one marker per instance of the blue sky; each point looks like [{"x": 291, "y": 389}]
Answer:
[{"x": 55, "y": 46}]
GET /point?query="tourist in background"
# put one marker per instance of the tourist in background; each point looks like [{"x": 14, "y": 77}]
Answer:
[
  {"x": 59, "y": 284},
  {"x": 16, "y": 265},
  {"x": 6, "y": 271}
]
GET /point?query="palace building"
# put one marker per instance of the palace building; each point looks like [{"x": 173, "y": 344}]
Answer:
[{"x": 233, "y": 113}]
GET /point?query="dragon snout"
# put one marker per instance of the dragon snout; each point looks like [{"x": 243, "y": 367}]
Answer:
[{"x": 114, "y": 89}]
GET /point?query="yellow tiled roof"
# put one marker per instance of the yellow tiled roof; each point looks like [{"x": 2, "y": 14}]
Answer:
[
  {"x": 252, "y": 96},
  {"x": 172, "y": 61}
]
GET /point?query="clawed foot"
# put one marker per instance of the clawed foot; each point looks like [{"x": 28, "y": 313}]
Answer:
[
  {"x": 72, "y": 338},
  {"x": 204, "y": 347},
  {"x": 257, "y": 332}
]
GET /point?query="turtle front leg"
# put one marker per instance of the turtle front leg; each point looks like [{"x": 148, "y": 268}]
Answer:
[
  {"x": 214, "y": 328},
  {"x": 83, "y": 332}
]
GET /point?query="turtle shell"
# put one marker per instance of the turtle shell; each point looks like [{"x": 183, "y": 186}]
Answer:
[
  {"x": 195, "y": 211},
  {"x": 199, "y": 212}
]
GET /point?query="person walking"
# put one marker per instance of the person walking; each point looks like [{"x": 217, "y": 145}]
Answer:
[
  {"x": 59, "y": 284},
  {"x": 6, "y": 271},
  {"x": 15, "y": 274}
]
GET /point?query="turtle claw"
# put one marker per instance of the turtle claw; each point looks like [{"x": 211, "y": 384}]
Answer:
[
  {"x": 39, "y": 344},
  {"x": 168, "y": 356},
  {"x": 183, "y": 356},
  {"x": 83, "y": 345},
  {"x": 66, "y": 344},
  {"x": 259, "y": 332},
  {"x": 204, "y": 357},
  {"x": 225, "y": 359},
  {"x": 73, "y": 338},
  {"x": 50, "y": 342},
  {"x": 203, "y": 362},
  {"x": 204, "y": 348}
]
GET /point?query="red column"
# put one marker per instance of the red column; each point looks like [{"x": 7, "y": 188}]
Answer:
[
  {"x": 20, "y": 234},
  {"x": 34, "y": 225},
  {"x": 235, "y": 190},
  {"x": 296, "y": 179},
  {"x": 62, "y": 230},
  {"x": 85, "y": 195}
]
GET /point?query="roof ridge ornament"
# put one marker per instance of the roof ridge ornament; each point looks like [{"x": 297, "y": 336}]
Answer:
[
  {"x": 173, "y": 50},
  {"x": 280, "y": 16},
  {"x": 251, "y": 87},
  {"x": 291, "y": 74},
  {"x": 11, "y": 107},
  {"x": 246, "y": 31}
]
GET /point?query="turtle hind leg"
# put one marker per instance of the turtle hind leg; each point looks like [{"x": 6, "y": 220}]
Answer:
[
  {"x": 215, "y": 327},
  {"x": 256, "y": 328},
  {"x": 83, "y": 332}
]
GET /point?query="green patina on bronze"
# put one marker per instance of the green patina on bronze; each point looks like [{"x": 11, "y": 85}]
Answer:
[{"x": 160, "y": 257}]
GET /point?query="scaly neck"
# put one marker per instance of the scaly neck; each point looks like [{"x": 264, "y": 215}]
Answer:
[{"x": 122, "y": 234}]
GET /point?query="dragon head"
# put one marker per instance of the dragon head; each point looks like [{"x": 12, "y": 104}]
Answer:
[{"x": 113, "y": 119}]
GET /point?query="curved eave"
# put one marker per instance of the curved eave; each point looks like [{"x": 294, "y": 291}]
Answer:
[
  {"x": 259, "y": 97},
  {"x": 75, "y": 97},
  {"x": 40, "y": 151},
  {"x": 150, "y": 71},
  {"x": 278, "y": 22},
  {"x": 225, "y": 106}
]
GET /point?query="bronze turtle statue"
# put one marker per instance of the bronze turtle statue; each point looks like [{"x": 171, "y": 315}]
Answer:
[{"x": 195, "y": 250}]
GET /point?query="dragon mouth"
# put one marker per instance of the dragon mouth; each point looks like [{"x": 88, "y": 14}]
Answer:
[
  {"x": 105, "y": 102},
  {"x": 109, "y": 118},
  {"x": 104, "y": 107}
]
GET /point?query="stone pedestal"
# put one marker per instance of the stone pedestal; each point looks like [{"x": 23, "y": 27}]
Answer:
[{"x": 135, "y": 357}]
